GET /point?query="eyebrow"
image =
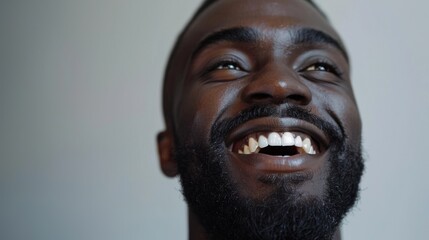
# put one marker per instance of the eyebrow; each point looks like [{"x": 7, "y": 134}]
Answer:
[
  {"x": 312, "y": 36},
  {"x": 251, "y": 35},
  {"x": 239, "y": 34}
]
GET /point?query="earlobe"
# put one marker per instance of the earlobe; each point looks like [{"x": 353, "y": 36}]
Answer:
[{"x": 165, "y": 153}]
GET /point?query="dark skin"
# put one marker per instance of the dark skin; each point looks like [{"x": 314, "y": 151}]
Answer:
[{"x": 242, "y": 53}]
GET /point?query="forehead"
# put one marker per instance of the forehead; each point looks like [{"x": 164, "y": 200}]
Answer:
[{"x": 266, "y": 14}]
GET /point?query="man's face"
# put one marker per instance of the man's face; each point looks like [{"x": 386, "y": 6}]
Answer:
[{"x": 264, "y": 116}]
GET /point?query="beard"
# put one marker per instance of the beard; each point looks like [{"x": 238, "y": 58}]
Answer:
[{"x": 285, "y": 213}]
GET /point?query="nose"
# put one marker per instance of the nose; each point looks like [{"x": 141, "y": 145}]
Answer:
[{"x": 277, "y": 85}]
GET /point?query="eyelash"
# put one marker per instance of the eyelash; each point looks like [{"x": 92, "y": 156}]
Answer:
[
  {"x": 324, "y": 63},
  {"x": 329, "y": 67},
  {"x": 225, "y": 63},
  {"x": 223, "y": 69}
]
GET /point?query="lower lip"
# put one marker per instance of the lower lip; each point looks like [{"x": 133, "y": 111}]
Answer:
[{"x": 279, "y": 164}]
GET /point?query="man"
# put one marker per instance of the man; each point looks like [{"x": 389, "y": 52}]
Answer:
[{"x": 261, "y": 123}]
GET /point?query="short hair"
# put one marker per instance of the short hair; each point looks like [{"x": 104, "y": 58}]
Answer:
[{"x": 166, "y": 103}]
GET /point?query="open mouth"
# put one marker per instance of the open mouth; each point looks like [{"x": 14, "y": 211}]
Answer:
[{"x": 282, "y": 144}]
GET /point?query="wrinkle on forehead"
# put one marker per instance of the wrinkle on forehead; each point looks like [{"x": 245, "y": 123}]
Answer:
[{"x": 267, "y": 14}]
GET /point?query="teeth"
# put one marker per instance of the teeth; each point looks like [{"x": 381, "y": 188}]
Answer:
[
  {"x": 274, "y": 139},
  {"x": 262, "y": 141},
  {"x": 312, "y": 150},
  {"x": 306, "y": 145},
  {"x": 298, "y": 141},
  {"x": 253, "y": 144},
  {"x": 288, "y": 139},
  {"x": 246, "y": 149}
]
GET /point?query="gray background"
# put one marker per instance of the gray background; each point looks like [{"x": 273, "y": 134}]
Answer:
[{"x": 80, "y": 108}]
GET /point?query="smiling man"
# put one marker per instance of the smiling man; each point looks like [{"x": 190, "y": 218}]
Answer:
[{"x": 261, "y": 123}]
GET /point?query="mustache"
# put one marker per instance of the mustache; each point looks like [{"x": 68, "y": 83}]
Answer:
[{"x": 221, "y": 128}]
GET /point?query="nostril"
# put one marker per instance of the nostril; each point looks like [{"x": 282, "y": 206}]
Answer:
[
  {"x": 260, "y": 96},
  {"x": 298, "y": 98},
  {"x": 295, "y": 98}
]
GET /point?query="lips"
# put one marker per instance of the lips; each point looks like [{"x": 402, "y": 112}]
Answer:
[{"x": 278, "y": 144}]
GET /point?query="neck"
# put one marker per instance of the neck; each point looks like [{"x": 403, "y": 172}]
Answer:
[{"x": 197, "y": 231}]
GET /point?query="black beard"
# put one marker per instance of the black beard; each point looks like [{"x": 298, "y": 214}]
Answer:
[{"x": 225, "y": 214}]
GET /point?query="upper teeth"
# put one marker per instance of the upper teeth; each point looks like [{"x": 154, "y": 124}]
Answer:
[{"x": 277, "y": 139}]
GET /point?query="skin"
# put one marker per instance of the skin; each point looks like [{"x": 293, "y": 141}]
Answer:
[{"x": 218, "y": 80}]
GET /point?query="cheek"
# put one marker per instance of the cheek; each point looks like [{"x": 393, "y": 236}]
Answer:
[
  {"x": 352, "y": 122},
  {"x": 200, "y": 107},
  {"x": 343, "y": 109}
]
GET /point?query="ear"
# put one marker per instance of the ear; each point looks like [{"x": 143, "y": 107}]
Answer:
[{"x": 165, "y": 153}]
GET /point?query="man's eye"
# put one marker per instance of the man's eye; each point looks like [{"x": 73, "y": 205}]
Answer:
[
  {"x": 228, "y": 66},
  {"x": 320, "y": 67},
  {"x": 323, "y": 67},
  {"x": 224, "y": 70}
]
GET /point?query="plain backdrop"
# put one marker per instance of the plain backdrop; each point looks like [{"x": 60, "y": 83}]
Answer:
[{"x": 80, "y": 85}]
